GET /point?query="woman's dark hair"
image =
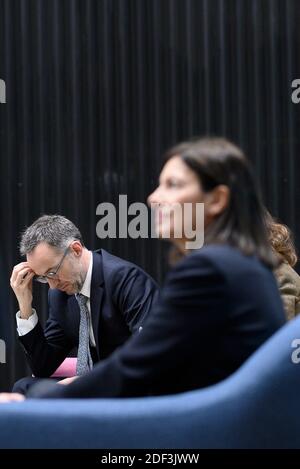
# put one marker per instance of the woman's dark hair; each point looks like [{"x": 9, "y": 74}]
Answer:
[
  {"x": 281, "y": 239},
  {"x": 217, "y": 161}
]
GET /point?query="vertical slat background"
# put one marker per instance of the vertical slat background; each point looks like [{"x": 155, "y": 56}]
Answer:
[{"x": 97, "y": 89}]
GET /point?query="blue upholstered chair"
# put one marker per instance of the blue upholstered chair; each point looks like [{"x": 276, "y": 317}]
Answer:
[{"x": 257, "y": 407}]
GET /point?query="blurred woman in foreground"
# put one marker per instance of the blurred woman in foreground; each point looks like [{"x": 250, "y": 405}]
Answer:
[{"x": 219, "y": 304}]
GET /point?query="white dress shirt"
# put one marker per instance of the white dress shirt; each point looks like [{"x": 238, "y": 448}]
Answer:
[{"x": 26, "y": 325}]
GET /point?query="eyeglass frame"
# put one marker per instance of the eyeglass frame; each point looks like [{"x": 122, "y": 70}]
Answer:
[{"x": 52, "y": 274}]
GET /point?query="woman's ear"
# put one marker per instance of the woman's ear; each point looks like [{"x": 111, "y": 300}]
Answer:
[{"x": 217, "y": 200}]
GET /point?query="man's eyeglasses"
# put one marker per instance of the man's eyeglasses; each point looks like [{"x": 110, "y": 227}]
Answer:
[{"x": 53, "y": 274}]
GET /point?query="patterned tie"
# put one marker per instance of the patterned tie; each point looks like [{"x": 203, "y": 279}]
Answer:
[{"x": 84, "y": 359}]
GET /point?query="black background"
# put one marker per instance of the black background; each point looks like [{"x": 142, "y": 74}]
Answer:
[{"x": 98, "y": 89}]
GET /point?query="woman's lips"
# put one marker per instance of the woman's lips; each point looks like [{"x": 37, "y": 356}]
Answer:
[{"x": 162, "y": 215}]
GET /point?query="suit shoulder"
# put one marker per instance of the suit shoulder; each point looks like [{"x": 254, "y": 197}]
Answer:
[
  {"x": 116, "y": 266},
  {"x": 213, "y": 254},
  {"x": 217, "y": 252},
  {"x": 200, "y": 263},
  {"x": 225, "y": 260},
  {"x": 115, "y": 263}
]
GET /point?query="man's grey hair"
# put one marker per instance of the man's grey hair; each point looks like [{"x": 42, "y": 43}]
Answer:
[{"x": 55, "y": 230}]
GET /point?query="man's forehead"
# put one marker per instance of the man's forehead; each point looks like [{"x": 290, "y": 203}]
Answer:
[{"x": 43, "y": 257}]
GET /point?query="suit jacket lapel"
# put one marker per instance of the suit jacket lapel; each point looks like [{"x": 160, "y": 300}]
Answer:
[{"x": 97, "y": 292}]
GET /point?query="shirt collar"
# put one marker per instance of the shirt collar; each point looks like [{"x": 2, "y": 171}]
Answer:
[{"x": 86, "y": 287}]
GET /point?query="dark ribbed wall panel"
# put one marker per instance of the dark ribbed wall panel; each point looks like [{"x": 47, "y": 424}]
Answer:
[{"x": 96, "y": 90}]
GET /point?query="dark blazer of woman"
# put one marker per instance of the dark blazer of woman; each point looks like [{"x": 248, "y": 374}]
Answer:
[{"x": 217, "y": 307}]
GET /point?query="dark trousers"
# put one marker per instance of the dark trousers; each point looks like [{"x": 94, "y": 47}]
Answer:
[{"x": 23, "y": 385}]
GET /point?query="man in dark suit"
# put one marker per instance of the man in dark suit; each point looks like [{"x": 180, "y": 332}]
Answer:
[{"x": 117, "y": 297}]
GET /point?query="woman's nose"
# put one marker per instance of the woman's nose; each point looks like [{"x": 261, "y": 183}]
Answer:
[{"x": 154, "y": 198}]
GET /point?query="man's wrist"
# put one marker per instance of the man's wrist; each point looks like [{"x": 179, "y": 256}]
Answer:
[{"x": 25, "y": 312}]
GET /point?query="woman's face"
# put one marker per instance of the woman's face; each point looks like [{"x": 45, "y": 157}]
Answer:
[{"x": 178, "y": 185}]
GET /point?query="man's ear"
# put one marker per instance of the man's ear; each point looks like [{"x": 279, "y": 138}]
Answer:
[
  {"x": 217, "y": 200},
  {"x": 76, "y": 248}
]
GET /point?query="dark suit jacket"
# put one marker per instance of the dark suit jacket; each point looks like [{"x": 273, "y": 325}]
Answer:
[
  {"x": 217, "y": 307},
  {"x": 121, "y": 298}
]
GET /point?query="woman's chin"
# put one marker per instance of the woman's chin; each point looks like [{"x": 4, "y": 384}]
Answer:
[
  {"x": 161, "y": 234},
  {"x": 166, "y": 234}
]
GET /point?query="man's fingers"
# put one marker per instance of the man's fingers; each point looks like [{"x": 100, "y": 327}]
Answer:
[
  {"x": 22, "y": 277},
  {"x": 18, "y": 268},
  {"x": 11, "y": 397},
  {"x": 67, "y": 381},
  {"x": 27, "y": 279},
  {"x": 18, "y": 276}
]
